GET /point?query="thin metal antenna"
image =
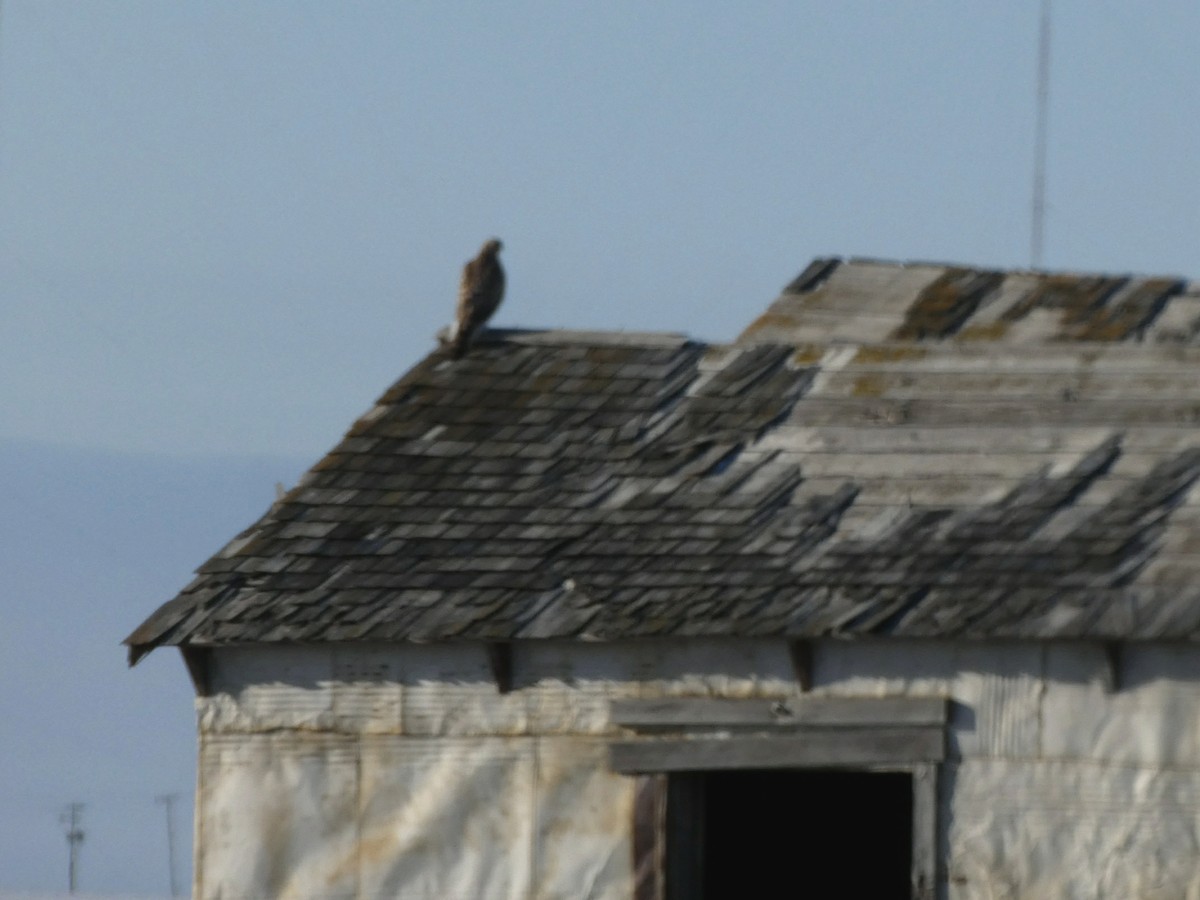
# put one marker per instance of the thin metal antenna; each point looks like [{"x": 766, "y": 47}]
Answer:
[
  {"x": 168, "y": 800},
  {"x": 72, "y": 817},
  {"x": 1037, "y": 239}
]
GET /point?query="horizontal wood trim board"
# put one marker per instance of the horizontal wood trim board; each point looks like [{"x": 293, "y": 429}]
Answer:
[
  {"x": 831, "y": 749},
  {"x": 861, "y": 712},
  {"x": 1126, "y": 412}
]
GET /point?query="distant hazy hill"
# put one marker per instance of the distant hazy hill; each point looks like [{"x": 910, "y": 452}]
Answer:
[{"x": 90, "y": 543}]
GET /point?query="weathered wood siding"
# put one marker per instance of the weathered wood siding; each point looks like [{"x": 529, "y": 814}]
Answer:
[{"x": 368, "y": 771}]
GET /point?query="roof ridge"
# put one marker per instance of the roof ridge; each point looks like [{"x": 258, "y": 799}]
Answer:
[{"x": 551, "y": 336}]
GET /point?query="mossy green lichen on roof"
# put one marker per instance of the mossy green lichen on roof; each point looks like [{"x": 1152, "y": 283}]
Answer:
[{"x": 869, "y": 301}]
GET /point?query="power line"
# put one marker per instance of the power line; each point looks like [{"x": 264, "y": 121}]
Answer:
[
  {"x": 169, "y": 800},
  {"x": 72, "y": 817},
  {"x": 1037, "y": 237}
]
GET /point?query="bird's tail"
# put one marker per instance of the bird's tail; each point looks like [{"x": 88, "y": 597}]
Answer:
[
  {"x": 460, "y": 343},
  {"x": 454, "y": 340}
]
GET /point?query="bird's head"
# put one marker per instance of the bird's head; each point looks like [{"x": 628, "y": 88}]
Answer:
[{"x": 492, "y": 247}]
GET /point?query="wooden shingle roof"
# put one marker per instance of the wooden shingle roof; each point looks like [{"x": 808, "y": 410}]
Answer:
[{"x": 888, "y": 450}]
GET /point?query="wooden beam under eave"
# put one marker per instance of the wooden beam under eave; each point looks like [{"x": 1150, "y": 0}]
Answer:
[
  {"x": 816, "y": 748},
  {"x": 684, "y": 713},
  {"x": 1113, "y": 666},
  {"x": 500, "y": 660},
  {"x": 801, "y": 653},
  {"x": 199, "y": 666}
]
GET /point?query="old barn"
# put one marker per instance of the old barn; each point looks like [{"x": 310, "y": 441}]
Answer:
[{"x": 898, "y": 591}]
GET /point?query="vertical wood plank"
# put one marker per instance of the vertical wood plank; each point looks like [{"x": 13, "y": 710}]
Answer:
[
  {"x": 925, "y": 837},
  {"x": 685, "y": 836},
  {"x": 649, "y": 839}
]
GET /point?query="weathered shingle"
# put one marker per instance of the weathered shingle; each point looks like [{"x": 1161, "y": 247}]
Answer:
[
  {"x": 865, "y": 301},
  {"x": 899, "y": 451}
]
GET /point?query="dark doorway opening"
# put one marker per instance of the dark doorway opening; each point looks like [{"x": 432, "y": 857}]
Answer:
[{"x": 789, "y": 833}]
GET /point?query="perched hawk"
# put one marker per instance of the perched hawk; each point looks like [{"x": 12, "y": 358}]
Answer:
[{"x": 479, "y": 295}]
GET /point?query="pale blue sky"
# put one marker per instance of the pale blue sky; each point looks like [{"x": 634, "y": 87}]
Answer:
[{"x": 226, "y": 227}]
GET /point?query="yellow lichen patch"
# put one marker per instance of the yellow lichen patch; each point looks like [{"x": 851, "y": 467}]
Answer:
[
  {"x": 1110, "y": 331},
  {"x": 882, "y": 353},
  {"x": 1077, "y": 297},
  {"x": 606, "y": 354},
  {"x": 946, "y": 304},
  {"x": 716, "y": 353},
  {"x": 807, "y": 355},
  {"x": 1115, "y": 322},
  {"x": 869, "y": 386},
  {"x": 992, "y": 331}
]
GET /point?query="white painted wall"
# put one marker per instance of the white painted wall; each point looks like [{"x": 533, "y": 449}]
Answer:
[{"x": 399, "y": 771}]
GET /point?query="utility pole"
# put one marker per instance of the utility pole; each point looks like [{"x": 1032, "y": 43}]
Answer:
[
  {"x": 168, "y": 800},
  {"x": 72, "y": 817},
  {"x": 1037, "y": 237}
]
